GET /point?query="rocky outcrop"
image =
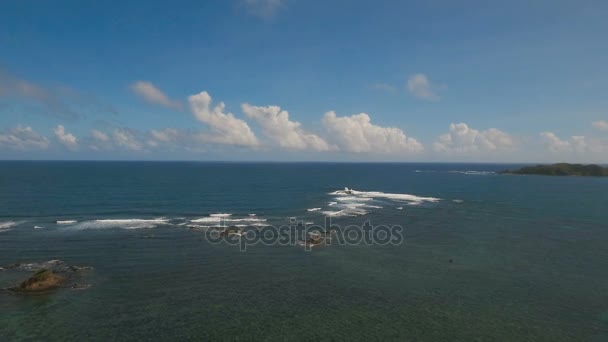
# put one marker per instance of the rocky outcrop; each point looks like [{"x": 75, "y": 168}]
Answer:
[{"x": 42, "y": 280}]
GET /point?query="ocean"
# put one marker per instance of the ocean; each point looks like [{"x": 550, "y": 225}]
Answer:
[{"x": 478, "y": 256}]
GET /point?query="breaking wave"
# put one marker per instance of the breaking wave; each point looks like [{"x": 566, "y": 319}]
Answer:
[
  {"x": 120, "y": 223},
  {"x": 7, "y": 225}
]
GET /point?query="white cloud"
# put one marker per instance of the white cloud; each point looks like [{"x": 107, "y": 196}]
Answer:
[
  {"x": 578, "y": 144},
  {"x": 165, "y": 135},
  {"x": 23, "y": 138},
  {"x": 264, "y": 9},
  {"x": 226, "y": 129},
  {"x": 127, "y": 138},
  {"x": 66, "y": 139},
  {"x": 420, "y": 86},
  {"x": 601, "y": 125},
  {"x": 463, "y": 139},
  {"x": 554, "y": 143},
  {"x": 357, "y": 134},
  {"x": 152, "y": 94},
  {"x": 100, "y": 136},
  {"x": 288, "y": 134}
]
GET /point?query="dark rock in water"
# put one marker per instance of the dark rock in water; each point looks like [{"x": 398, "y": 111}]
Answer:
[
  {"x": 42, "y": 280},
  {"x": 231, "y": 231},
  {"x": 318, "y": 238},
  {"x": 79, "y": 286},
  {"x": 47, "y": 275}
]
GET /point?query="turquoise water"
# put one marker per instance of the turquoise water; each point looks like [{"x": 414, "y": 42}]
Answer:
[{"x": 529, "y": 255}]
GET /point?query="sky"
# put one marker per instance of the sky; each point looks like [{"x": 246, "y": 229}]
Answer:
[{"x": 305, "y": 80}]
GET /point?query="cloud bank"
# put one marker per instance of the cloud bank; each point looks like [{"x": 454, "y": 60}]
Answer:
[
  {"x": 287, "y": 134},
  {"x": 357, "y": 134},
  {"x": 225, "y": 127},
  {"x": 463, "y": 139},
  {"x": 23, "y": 138}
]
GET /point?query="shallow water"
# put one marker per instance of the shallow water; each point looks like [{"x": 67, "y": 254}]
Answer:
[{"x": 529, "y": 256}]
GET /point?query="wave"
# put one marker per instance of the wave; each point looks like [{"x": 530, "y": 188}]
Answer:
[
  {"x": 38, "y": 227},
  {"x": 220, "y": 215},
  {"x": 5, "y": 226},
  {"x": 314, "y": 209},
  {"x": 473, "y": 172},
  {"x": 66, "y": 221},
  {"x": 215, "y": 219},
  {"x": 120, "y": 223},
  {"x": 377, "y": 194}
]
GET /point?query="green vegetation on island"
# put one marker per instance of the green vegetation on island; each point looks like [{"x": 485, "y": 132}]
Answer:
[{"x": 561, "y": 169}]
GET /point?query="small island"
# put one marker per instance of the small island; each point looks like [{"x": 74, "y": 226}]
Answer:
[
  {"x": 42, "y": 280},
  {"x": 561, "y": 169}
]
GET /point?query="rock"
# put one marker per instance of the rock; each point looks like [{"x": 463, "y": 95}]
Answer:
[
  {"x": 231, "y": 231},
  {"x": 80, "y": 286},
  {"x": 41, "y": 280}
]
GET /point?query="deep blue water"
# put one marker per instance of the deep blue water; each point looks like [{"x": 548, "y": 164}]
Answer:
[{"x": 495, "y": 257}]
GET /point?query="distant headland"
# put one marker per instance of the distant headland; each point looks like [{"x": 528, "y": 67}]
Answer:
[{"x": 561, "y": 169}]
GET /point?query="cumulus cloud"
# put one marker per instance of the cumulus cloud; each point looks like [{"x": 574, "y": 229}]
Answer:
[
  {"x": 23, "y": 138},
  {"x": 150, "y": 93},
  {"x": 463, "y": 139},
  {"x": 602, "y": 125},
  {"x": 264, "y": 9},
  {"x": 127, "y": 138},
  {"x": 66, "y": 139},
  {"x": 554, "y": 143},
  {"x": 577, "y": 144},
  {"x": 225, "y": 127},
  {"x": 165, "y": 135},
  {"x": 419, "y": 86},
  {"x": 99, "y": 136},
  {"x": 357, "y": 134},
  {"x": 288, "y": 134}
]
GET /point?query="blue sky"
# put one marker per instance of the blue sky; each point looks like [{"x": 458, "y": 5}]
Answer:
[{"x": 487, "y": 81}]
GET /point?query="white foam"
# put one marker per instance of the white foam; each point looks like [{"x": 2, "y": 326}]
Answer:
[
  {"x": 353, "y": 198},
  {"x": 473, "y": 172},
  {"x": 220, "y": 215},
  {"x": 344, "y": 212},
  {"x": 66, "y": 221},
  {"x": 399, "y": 208},
  {"x": 216, "y": 219},
  {"x": 120, "y": 223},
  {"x": 378, "y": 194},
  {"x": 314, "y": 209},
  {"x": 206, "y": 219},
  {"x": 7, "y": 224},
  {"x": 331, "y": 204},
  {"x": 38, "y": 227},
  {"x": 246, "y": 220}
]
